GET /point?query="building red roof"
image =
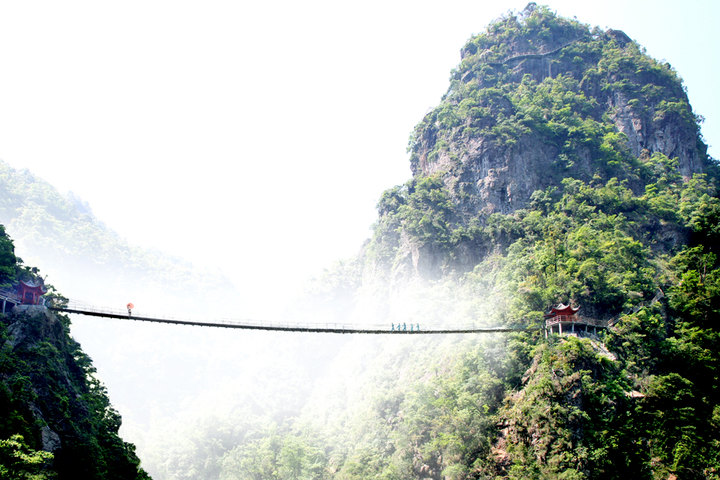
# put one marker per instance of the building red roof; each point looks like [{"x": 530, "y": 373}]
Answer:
[
  {"x": 34, "y": 284},
  {"x": 561, "y": 309}
]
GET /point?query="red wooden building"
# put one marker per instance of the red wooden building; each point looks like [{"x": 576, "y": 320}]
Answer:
[
  {"x": 564, "y": 319},
  {"x": 31, "y": 291}
]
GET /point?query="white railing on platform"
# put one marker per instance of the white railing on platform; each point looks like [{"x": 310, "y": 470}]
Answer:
[
  {"x": 576, "y": 319},
  {"x": 9, "y": 294}
]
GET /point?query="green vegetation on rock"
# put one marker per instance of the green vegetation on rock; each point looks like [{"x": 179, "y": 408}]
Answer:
[{"x": 56, "y": 420}]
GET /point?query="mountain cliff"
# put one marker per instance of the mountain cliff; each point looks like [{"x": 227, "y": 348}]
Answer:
[
  {"x": 536, "y": 99},
  {"x": 56, "y": 421},
  {"x": 563, "y": 165}
]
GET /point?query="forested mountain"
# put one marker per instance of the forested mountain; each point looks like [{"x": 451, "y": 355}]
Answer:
[{"x": 563, "y": 165}]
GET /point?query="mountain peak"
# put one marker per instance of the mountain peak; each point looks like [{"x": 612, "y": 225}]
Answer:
[{"x": 538, "y": 100}]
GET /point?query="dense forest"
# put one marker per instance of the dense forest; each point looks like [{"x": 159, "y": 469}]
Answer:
[{"x": 563, "y": 165}]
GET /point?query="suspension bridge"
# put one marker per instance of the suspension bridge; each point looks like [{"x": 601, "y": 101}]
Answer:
[{"x": 393, "y": 329}]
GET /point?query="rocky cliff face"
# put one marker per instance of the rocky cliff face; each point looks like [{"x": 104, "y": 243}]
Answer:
[
  {"x": 621, "y": 89},
  {"x": 537, "y": 99}
]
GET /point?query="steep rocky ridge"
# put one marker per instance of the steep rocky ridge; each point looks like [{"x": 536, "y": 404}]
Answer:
[
  {"x": 618, "y": 88},
  {"x": 535, "y": 100}
]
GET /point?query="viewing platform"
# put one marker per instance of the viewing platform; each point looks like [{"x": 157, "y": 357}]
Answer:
[
  {"x": 564, "y": 320},
  {"x": 9, "y": 298}
]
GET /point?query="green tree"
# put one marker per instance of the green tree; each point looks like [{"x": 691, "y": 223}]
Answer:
[{"x": 19, "y": 461}]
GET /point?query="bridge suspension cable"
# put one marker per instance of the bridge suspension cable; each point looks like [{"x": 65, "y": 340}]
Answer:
[{"x": 312, "y": 328}]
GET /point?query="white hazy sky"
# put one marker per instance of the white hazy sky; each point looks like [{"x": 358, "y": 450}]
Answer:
[{"x": 258, "y": 136}]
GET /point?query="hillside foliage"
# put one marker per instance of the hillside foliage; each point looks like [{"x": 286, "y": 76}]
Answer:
[{"x": 56, "y": 420}]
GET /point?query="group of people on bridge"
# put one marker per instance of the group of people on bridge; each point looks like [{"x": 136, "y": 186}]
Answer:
[{"x": 403, "y": 327}]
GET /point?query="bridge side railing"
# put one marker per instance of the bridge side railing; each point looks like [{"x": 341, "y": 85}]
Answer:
[
  {"x": 74, "y": 306},
  {"x": 120, "y": 312}
]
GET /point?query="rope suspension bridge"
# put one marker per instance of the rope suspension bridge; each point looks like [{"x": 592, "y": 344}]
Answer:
[{"x": 396, "y": 329}]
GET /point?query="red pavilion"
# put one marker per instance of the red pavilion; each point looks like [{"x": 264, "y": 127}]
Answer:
[
  {"x": 31, "y": 291},
  {"x": 563, "y": 319}
]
